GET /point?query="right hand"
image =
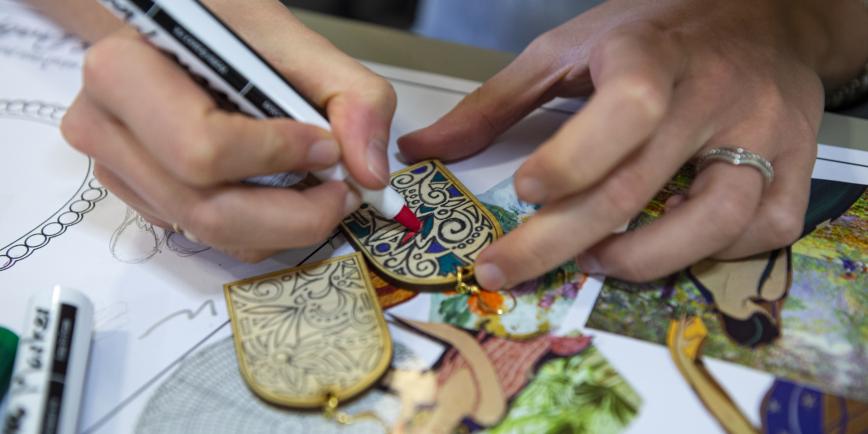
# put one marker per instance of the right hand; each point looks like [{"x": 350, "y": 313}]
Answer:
[{"x": 162, "y": 145}]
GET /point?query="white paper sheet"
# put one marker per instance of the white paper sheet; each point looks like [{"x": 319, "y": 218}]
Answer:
[{"x": 158, "y": 301}]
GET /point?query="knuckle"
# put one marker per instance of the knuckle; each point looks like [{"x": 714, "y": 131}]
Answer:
[
  {"x": 624, "y": 194},
  {"x": 770, "y": 100},
  {"x": 386, "y": 91},
  {"x": 719, "y": 69},
  {"x": 101, "y": 59},
  {"x": 730, "y": 215},
  {"x": 543, "y": 42},
  {"x": 204, "y": 219},
  {"x": 196, "y": 156},
  {"x": 569, "y": 171},
  {"x": 101, "y": 173},
  {"x": 76, "y": 132},
  {"x": 320, "y": 226},
  {"x": 287, "y": 141},
  {"x": 540, "y": 256},
  {"x": 785, "y": 226},
  {"x": 525, "y": 259},
  {"x": 642, "y": 92},
  {"x": 634, "y": 271},
  {"x": 311, "y": 229}
]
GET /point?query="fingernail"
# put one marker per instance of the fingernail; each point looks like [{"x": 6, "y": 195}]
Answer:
[
  {"x": 352, "y": 202},
  {"x": 589, "y": 264},
  {"x": 490, "y": 276},
  {"x": 191, "y": 237},
  {"x": 378, "y": 161},
  {"x": 530, "y": 190},
  {"x": 673, "y": 202},
  {"x": 623, "y": 228},
  {"x": 323, "y": 153}
]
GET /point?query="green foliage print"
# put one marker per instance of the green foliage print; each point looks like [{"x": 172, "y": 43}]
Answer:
[{"x": 580, "y": 394}]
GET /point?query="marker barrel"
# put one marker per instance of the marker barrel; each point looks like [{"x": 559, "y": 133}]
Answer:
[
  {"x": 50, "y": 365},
  {"x": 209, "y": 49}
]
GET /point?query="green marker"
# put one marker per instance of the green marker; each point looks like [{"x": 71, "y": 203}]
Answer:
[{"x": 8, "y": 347}]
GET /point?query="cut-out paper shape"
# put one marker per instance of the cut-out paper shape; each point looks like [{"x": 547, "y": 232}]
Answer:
[
  {"x": 388, "y": 294},
  {"x": 48, "y": 187},
  {"x": 491, "y": 384},
  {"x": 748, "y": 293},
  {"x": 311, "y": 333},
  {"x": 455, "y": 229},
  {"x": 796, "y": 408},
  {"x": 786, "y": 408},
  {"x": 685, "y": 339},
  {"x": 814, "y": 342},
  {"x": 539, "y": 304}
]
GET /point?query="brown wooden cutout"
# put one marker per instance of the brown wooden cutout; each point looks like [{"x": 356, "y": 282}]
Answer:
[
  {"x": 309, "y": 333},
  {"x": 455, "y": 229}
]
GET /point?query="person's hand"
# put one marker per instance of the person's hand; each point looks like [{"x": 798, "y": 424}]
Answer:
[
  {"x": 162, "y": 145},
  {"x": 670, "y": 79}
]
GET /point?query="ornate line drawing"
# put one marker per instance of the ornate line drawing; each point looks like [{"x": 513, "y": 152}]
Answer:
[
  {"x": 305, "y": 333},
  {"x": 70, "y": 213},
  {"x": 455, "y": 228},
  {"x": 154, "y": 240},
  {"x": 190, "y": 314}
]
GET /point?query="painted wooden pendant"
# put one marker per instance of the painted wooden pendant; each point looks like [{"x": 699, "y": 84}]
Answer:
[
  {"x": 455, "y": 229},
  {"x": 310, "y": 335}
]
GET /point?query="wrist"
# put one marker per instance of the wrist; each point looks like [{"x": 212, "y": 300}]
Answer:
[{"x": 830, "y": 37}]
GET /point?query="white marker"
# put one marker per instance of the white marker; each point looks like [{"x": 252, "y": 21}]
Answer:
[
  {"x": 45, "y": 395},
  {"x": 205, "y": 45}
]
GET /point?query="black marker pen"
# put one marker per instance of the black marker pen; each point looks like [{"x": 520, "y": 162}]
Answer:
[{"x": 205, "y": 45}]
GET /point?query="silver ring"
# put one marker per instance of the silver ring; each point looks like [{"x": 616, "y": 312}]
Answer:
[{"x": 737, "y": 157}]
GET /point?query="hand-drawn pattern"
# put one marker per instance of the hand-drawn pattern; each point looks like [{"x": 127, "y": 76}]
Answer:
[
  {"x": 455, "y": 228},
  {"x": 70, "y": 213},
  {"x": 303, "y": 333},
  {"x": 136, "y": 241}
]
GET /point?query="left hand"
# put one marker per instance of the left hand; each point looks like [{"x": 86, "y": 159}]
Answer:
[{"x": 671, "y": 79}]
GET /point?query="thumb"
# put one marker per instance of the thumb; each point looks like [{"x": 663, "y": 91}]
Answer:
[
  {"x": 361, "y": 119},
  {"x": 488, "y": 111},
  {"x": 359, "y": 103}
]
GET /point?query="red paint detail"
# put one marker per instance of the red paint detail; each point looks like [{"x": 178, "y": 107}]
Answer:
[
  {"x": 408, "y": 220},
  {"x": 407, "y": 237}
]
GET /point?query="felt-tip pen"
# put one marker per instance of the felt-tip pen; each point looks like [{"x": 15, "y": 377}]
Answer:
[
  {"x": 50, "y": 364},
  {"x": 208, "y": 48}
]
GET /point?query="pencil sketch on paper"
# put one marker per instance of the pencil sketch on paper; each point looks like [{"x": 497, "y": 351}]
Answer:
[
  {"x": 136, "y": 241},
  {"x": 190, "y": 314},
  {"x": 113, "y": 316},
  {"x": 44, "y": 201}
]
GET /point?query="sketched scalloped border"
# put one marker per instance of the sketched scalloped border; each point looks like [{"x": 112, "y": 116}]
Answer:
[{"x": 72, "y": 212}]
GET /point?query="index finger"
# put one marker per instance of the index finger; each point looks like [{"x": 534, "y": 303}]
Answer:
[
  {"x": 569, "y": 226},
  {"x": 183, "y": 129},
  {"x": 634, "y": 73}
]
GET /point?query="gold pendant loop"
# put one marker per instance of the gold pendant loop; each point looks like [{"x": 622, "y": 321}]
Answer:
[
  {"x": 471, "y": 289},
  {"x": 330, "y": 411}
]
